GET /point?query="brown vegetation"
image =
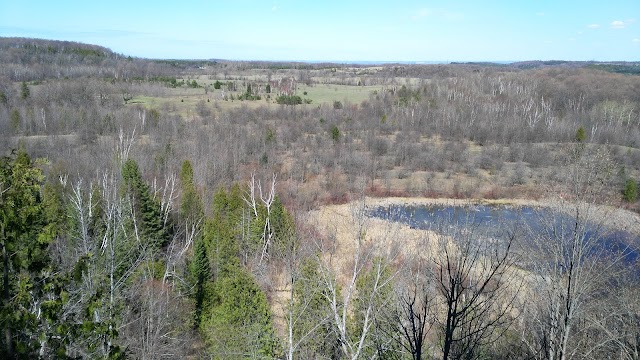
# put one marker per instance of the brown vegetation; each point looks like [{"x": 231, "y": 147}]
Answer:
[{"x": 529, "y": 131}]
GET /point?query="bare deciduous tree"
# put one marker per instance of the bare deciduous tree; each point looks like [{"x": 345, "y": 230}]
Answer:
[
  {"x": 363, "y": 261},
  {"x": 570, "y": 259},
  {"x": 267, "y": 199},
  {"x": 477, "y": 284},
  {"x": 414, "y": 315}
]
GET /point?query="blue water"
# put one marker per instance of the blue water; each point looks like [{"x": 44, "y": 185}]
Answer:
[{"x": 496, "y": 221}]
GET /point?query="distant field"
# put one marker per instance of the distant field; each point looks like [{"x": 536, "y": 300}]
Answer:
[
  {"x": 183, "y": 101},
  {"x": 328, "y": 93}
]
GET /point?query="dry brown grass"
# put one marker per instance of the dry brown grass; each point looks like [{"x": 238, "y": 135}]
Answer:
[{"x": 340, "y": 224}]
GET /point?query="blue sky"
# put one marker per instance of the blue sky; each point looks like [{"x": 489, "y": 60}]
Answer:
[{"x": 333, "y": 30}]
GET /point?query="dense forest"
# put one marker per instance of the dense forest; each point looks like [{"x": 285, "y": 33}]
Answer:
[{"x": 167, "y": 208}]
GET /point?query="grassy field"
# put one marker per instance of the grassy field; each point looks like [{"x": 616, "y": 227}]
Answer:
[
  {"x": 328, "y": 93},
  {"x": 183, "y": 101}
]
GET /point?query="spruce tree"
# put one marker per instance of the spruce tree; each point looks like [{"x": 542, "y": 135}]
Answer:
[
  {"x": 30, "y": 293},
  {"x": 191, "y": 207},
  {"x": 146, "y": 209},
  {"x": 310, "y": 316},
  {"x": 630, "y": 192},
  {"x": 239, "y": 319},
  {"x": 201, "y": 277},
  {"x": 24, "y": 91}
]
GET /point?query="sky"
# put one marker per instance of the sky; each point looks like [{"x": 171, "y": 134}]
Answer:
[{"x": 339, "y": 30}]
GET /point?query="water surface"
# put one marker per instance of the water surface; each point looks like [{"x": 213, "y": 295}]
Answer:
[{"x": 497, "y": 220}]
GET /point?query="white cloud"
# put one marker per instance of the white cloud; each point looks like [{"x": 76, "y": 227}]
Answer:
[
  {"x": 540, "y": 14},
  {"x": 636, "y": 40},
  {"x": 618, "y": 24},
  {"x": 593, "y": 26}
]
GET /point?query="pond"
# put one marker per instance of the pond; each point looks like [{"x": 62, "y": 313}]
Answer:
[{"x": 494, "y": 220}]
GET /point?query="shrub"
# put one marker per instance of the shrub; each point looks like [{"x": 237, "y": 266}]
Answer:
[
  {"x": 289, "y": 100},
  {"x": 335, "y": 133},
  {"x": 24, "y": 92},
  {"x": 630, "y": 192},
  {"x": 580, "y": 135}
]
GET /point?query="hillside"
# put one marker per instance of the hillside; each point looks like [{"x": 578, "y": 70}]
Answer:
[{"x": 213, "y": 195}]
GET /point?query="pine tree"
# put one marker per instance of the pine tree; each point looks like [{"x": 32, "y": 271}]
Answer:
[
  {"x": 238, "y": 322},
  {"x": 24, "y": 91},
  {"x": 222, "y": 249},
  {"x": 234, "y": 315},
  {"x": 152, "y": 229},
  {"x": 313, "y": 335},
  {"x": 30, "y": 293},
  {"x": 581, "y": 135},
  {"x": 201, "y": 277},
  {"x": 191, "y": 207},
  {"x": 283, "y": 228},
  {"x": 630, "y": 192},
  {"x": 16, "y": 120}
]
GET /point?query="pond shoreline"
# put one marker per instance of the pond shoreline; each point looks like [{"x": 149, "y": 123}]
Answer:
[{"x": 612, "y": 216}]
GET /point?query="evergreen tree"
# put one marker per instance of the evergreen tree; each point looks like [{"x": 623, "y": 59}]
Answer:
[
  {"x": 191, "y": 207},
  {"x": 102, "y": 258},
  {"x": 221, "y": 246},
  {"x": 237, "y": 323},
  {"x": 30, "y": 292},
  {"x": 233, "y": 313},
  {"x": 201, "y": 277},
  {"x": 335, "y": 134},
  {"x": 24, "y": 91},
  {"x": 374, "y": 293},
  {"x": 55, "y": 211},
  {"x": 16, "y": 120},
  {"x": 630, "y": 192},
  {"x": 146, "y": 209},
  {"x": 191, "y": 216},
  {"x": 310, "y": 316},
  {"x": 581, "y": 135},
  {"x": 283, "y": 228}
]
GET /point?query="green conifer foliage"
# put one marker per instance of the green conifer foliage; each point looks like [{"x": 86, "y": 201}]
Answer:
[
  {"x": 630, "y": 192},
  {"x": 311, "y": 315},
  {"x": 374, "y": 292},
  {"x": 237, "y": 323},
  {"x": 30, "y": 294},
  {"x": 234, "y": 315},
  {"x": 24, "y": 91},
  {"x": 200, "y": 277},
  {"x": 147, "y": 210}
]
